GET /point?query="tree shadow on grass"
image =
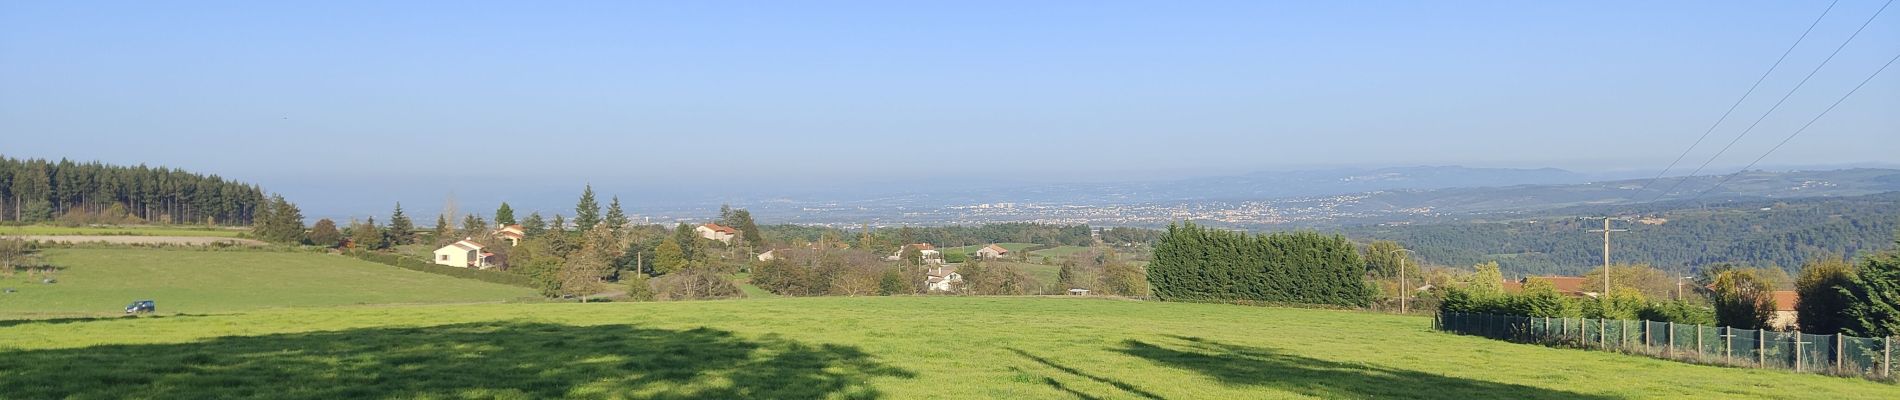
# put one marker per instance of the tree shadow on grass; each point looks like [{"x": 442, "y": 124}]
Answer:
[
  {"x": 1257, "y": 366},
  {"x": 1053, "y": 383},
  {"x": 482, "y": 360}
]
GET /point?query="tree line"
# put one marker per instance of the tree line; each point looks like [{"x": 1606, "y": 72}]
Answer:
[
  {"x": 38, "y": 190},
  {"x": 1787, "y": 235}
]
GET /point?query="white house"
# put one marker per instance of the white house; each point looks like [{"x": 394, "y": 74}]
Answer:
[
  {"x": 723, "y": 234},
  {"x": 769, "y": 255},
  {"x": 465, "y": 254},
  {"x": 992, "y": 251},
  {"x": 930, "y": 253},
  {"x": 942, "y": 279},
  {"x": 512, "y": 233}
]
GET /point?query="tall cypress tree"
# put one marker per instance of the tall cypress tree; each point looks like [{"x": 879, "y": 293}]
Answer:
[
  {"x": 504, "y": 215},
  {"x": 587, "y": 210},
  {"x": 534, "y": 225},
  {"x": 442, "y": 233},
  {"x": 616, "y": 218},
  {"x": 401, "y": 230}
]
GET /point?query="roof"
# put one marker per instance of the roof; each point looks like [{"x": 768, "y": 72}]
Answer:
[
  {"x": 1785, "y": 300},
  {"x": 720, "y": 228},
  {"x": 1511, "y": 286},
  {"x": 512, "y": 228},
  {"x": 465, "y": 245},
  {"x": 511, "y": 234},
  {"x": 996, "y": 249},
  {"x": 923, "y": 246},
  {"x": 940, "y": 271},
  {"x": 1564, "y": 284}
]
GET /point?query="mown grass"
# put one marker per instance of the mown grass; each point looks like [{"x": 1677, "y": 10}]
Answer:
[
  {"x": 141, "y": 230},
  {"x": 101, "y": 281},
  {"x": 880, "y": 347}
]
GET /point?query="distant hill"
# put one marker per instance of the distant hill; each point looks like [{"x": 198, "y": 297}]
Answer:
[{"x": 1671, "y": 235}]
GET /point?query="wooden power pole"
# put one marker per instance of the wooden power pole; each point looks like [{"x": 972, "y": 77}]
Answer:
[{"x": 1606, "y": 253}]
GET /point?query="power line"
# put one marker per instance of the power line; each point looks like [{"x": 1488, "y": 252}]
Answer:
[
  {"x": 1778, "y": 103},
  {"x": 1804, "y": 128},
  {"x": 1738, "y": 102}
]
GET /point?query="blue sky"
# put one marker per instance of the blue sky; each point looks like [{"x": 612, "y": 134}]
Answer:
[{"x": 423, "y": 96}]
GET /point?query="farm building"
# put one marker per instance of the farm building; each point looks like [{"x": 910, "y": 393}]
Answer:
[{"x": 992, "y": 251}]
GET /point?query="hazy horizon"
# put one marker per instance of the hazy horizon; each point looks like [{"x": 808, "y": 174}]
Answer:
[{"x": 485, "y": 99}]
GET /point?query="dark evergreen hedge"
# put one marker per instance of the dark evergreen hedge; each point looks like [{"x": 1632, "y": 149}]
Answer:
[{"x": 1192, "y": 263}]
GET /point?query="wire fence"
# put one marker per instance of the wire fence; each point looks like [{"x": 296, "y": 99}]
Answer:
[{"x": 1828, "y": 354}]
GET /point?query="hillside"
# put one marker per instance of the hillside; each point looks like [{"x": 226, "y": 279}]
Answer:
[
  {"x": 1782, "y": 233},
  {"x": 101, "y": 282},
  {"x": 810, "y": 348}
]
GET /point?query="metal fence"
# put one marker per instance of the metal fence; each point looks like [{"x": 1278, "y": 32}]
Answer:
[{"x": 1829, "y": 354}]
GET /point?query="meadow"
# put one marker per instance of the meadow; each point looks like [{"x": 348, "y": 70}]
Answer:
[
  {"x": 141, "y": 230},
  {"x": 96, "y": 281},
  {"x": 927, "y": 347}
]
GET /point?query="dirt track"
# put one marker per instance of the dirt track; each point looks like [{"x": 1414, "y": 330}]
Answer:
[{"x": 125, "y": 239}]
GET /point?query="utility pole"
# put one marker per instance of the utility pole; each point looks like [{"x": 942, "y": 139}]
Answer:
[
  {"x": 1606, "y": 253},
  {"x": 1403, "y": 290}
]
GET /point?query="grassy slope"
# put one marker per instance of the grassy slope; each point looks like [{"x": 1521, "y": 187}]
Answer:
[
  {"x": 904, "y": 347},
  {"x": 186, "y": 281},
  {"x": 117, "y": 230}
]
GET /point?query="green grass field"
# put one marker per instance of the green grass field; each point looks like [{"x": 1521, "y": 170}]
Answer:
[
  {"x": 1056, "y": 254},
  {"x": 10, "y": 230},
  {"x": 801, "y": 348},
  {"x": 103, "y": 280}
]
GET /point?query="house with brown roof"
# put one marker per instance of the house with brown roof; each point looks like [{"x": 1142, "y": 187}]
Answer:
[
  {"x": 465, "y": 254},
  {"x": 942, "y": 279},
  {"x": 992, "y": 251},
  {"x": 512, "y": 233},
  {"x": 1784, "y": 317},
  {"x": 721, "y": 233}
]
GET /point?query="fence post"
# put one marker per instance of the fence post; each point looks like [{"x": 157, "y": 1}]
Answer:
[
  {"x": 1761, "y": 347},
  {"x": 1603, "y": 333},
  {"x": 1797, "y": 350},
  {"x": 1728, "y": 345},
  {"x": 1669, "y": 347},
  {"x": 1698, "y": 340},
  {"x": 1886, "y": 357}
]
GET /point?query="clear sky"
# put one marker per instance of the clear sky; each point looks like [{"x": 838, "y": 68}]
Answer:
[{"x": 465, "y": 93}]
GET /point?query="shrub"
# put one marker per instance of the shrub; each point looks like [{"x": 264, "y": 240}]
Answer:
[{"x": 693, "y": 284}]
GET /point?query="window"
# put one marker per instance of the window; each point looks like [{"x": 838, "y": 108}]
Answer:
[{"x": 445, "y": 257}]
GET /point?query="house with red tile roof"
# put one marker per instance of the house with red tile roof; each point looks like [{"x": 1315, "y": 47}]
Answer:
[
  {"x": 992, "y": 251},
  {"x": 1784, "y": 316},
  {"x": 721, "y": 233}
]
